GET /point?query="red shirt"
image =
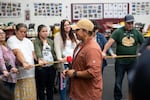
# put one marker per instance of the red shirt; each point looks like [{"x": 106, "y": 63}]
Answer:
[{"x": 88, "y": 58}]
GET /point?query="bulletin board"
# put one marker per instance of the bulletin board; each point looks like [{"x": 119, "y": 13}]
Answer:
[
  {"x": 115, "y": 10},
  {"x": 9, "y": 9},
  {"x": 90, "y": 11},
  {"x": 140, "y": 8},
  {"x": 47, "y": 9},
  {"x": 99, "y": 11}
]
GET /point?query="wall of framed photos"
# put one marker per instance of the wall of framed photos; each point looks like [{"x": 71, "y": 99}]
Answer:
[
  {"x": 9, "y": 9},
  {"x": 83, "y": 10},
  {"x": 49, "y": 12},
  {"x": 99, "y": 11}
]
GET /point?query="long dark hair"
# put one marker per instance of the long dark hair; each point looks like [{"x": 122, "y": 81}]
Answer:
[
  {"x": 62, "y": 32},
  {"x": 39, "y": 29}
]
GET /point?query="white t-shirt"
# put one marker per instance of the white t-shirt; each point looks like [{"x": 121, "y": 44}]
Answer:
[
  {"x": 47, "y": 55},
  {"x": 27, "y": 48},
  {"x": 69, "y": 48}
]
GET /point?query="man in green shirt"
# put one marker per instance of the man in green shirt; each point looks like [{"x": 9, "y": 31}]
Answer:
[{"x": 127, "y": 39}]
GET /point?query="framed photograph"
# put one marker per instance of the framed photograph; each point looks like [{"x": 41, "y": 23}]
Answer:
[{"x": 27, "y": 15}]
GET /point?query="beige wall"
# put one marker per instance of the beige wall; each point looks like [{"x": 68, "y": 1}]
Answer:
[{"x": 66, "y": 11}]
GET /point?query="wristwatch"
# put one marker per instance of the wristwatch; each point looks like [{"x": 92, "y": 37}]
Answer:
[{"x": 74, "y": 74}]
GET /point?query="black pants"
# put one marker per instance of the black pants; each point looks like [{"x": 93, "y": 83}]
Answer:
[{"x": 45, "y": 77}]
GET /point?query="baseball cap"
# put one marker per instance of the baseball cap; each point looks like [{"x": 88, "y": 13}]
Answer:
[
  {"x": 83, "y": 24},
  {"x": 129, "y": 18}
]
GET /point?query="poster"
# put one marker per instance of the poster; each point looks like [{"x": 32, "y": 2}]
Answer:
[
  {"x": 27, "y": 15},
  {"x": 9, "y": 9}
]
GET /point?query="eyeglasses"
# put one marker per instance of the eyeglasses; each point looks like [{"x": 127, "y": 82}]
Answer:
[
  {"x": 76, "y": 30},
  {"x": 2, "y": 32},
  {"x": 130, "y": 22}
]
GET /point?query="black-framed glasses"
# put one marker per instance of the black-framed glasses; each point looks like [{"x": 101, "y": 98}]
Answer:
[
  {"x": 130, "y": 23},
  {"x": 76, "y": 30},
  {"x": 2, "y": 32}
]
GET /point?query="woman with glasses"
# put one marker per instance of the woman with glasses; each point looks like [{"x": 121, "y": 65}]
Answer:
[{"x": 7, "y": 64}]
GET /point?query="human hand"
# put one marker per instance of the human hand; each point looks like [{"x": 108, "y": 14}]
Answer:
[
  {"x": 64, "y": 73},
  {"x": 104, "y": 55},
  {"x": 63, "y": 60},
  {"x": 6, "y": 73},
  {"x": 70, "y": 72},
  {"x": 41, "y": 61},
  {"x": 113, "y": 55},
  {"x": 14, "y": 70},
  {"x": 27, "y": 66}
]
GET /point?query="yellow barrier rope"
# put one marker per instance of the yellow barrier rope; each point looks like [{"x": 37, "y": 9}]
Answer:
[
  {"x": 54, "y": 62},
  {"x": 119, "y": 56},
  {"x": 123, "y": 56}
]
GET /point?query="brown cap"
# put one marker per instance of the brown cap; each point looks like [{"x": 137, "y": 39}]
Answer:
[{"x": 83, "y": 24}]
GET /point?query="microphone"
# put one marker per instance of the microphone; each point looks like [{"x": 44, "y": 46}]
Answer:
[{"x": 69, "y": 60}]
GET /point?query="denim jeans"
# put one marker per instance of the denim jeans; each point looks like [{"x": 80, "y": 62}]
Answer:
[
  {"x": 120, "y": 69},
  {"x": 63, "y": 85}
]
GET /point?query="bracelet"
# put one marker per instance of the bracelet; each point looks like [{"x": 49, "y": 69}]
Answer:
[{"x": 74, "y": 74}]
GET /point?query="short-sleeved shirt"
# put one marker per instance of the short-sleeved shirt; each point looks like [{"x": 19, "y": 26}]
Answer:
[
  {"x": 127, "y": 42},
  {"x": 88, "y": 58},
  {"x": 27, "y": 48}
]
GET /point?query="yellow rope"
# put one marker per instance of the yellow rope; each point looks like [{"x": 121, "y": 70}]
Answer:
[
  {"x": 123, "y": 56},
  {"x": 120, "y": 56},
  {"x": 47, "y": 63}
]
